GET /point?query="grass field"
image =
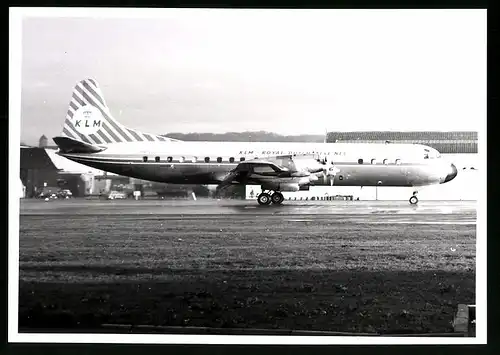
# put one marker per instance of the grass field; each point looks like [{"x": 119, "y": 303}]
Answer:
[{"x": 322, "y": 273}]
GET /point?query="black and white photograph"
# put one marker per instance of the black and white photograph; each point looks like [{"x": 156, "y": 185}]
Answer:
[{"x": 247, "y": 176}]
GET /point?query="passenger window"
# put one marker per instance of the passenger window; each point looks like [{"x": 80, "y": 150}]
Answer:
[
  {"x": 360, "y": 161},
  {"x": 398, "y": 161},
  {"x": 219, "y": 160},
  {"x": 231, "y": 160},
  {"x": 386, "y": 161},
  {"x": 194, "y": 159},
  {"x": 181, "y": 159},
  {"x": 374, "y": 161},
  {"x": 169, "y": 159},
  {"x": 207, "y": 160},
  {"x": 157, "y": 159},
  {"x": 144, "y": 159},
  {"x": 242, "y": 159}
]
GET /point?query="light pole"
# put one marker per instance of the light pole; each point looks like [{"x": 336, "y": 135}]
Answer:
[{"x": 376, "y": 190}]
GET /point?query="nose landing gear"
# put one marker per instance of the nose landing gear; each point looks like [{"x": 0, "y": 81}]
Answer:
[
  {"x": 265, "y": 198},
  {"x": 414, "y": 199}
]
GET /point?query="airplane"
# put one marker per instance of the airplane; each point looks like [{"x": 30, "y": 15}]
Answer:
[{"x": 93, "y": 137}]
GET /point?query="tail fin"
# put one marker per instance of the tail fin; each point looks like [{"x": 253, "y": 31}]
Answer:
[{"x": 90, "y": 120}]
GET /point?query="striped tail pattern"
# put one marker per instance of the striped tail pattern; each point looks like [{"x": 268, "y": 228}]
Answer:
[{"x": 89, "y": 119}]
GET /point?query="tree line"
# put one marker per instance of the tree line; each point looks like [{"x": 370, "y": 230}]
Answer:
[{"x": 248, "y": 136}]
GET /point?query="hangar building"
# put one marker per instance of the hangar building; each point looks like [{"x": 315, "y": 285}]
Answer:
[{"x": 42, "y": 168}]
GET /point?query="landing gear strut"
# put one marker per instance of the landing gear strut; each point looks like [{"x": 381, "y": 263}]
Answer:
[
  {"x": 265, "y": 198},
  {"x": 414, "y": 199}
]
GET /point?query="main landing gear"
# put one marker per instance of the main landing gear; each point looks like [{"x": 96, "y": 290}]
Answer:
[
  {"x": 266, "y": 198},
  {"x": 414, "y": 199}
]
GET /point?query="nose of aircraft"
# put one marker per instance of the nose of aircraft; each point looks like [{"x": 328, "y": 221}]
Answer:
[{"x": 452, "y": 174}]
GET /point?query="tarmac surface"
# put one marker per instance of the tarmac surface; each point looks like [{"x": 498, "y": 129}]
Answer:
[
  {"x": 348, "y": 266},
  {"x": 453, "y": 212}
]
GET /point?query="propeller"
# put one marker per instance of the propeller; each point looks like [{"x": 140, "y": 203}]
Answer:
[
  {"x": 313, "y": 169},
  {"x": 328, "y": 172}
]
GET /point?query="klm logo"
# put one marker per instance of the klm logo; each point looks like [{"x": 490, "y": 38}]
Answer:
[
  {"x": 88, "y": 120},
  {"x": 88, "y": 123}
]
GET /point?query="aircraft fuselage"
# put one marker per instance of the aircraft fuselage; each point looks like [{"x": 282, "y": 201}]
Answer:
[{"x": 356, "y": 164}]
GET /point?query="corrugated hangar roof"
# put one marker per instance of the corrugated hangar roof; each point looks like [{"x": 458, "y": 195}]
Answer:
[
  {"x": 444, "y": 142},
  {"x": 398, "y": 136}
]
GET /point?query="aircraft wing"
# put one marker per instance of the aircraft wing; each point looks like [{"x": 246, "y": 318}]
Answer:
[
  {"x": 245, "y": 169},
  {"x": 274, "y": 170}
]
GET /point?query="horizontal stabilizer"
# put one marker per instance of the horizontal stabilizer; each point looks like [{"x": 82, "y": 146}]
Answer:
[{"x": 69, "y": 145}]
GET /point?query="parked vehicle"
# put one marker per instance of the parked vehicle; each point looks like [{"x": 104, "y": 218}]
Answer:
[
  {"x": 64, "y": 193},
  {"x": 48, "y": 192},
  {"x": 117, "y": 195}
]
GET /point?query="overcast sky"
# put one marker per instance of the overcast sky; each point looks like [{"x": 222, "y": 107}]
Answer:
[{"x": 290, "y": 72}]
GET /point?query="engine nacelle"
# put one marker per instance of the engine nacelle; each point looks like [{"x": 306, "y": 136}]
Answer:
[
  {"x": 282, "y": 187},
  {"x": 309, "y": 165},
  {"x": 289, "y": 187}
]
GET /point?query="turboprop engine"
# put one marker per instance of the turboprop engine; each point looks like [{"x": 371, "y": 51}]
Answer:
[
  {"x": 289, "y": 187},
  {"x": 313, "y": 168},
  {"x": 308, "y": 164},
  {"x": 298, "y": 183},
  {"x": 327, "y": 172}
]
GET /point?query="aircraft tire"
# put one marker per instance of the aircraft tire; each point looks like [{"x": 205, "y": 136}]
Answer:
[
  {"x": 277, "y": 198},
  {"x": 264, "y": 199},
  {"x": 413, "y": 200}
]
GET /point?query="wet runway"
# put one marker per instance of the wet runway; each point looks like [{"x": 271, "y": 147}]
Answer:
[{"x": 428, "y": 212}]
